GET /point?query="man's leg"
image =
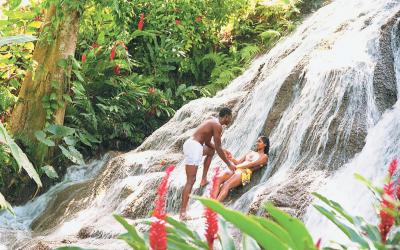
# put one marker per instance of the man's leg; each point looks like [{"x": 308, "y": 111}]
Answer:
[
  {"x": 209, "y": 153},
  {"x": 191, "y": 171}
]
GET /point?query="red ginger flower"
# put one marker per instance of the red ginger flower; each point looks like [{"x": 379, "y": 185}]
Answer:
[
  {"x": 177, "y": 22},
  {"x": 199, "y": 19},
  {"x": 141, "y": 21},
  {"x": 386, "y": 218},
  {"x": 211, "y": 216},
  {"x": 398, "y": 188},
  {"x": 112, "y": 54},
  {"x": 117, "y": 70},
  {"x": 95, "y": 45},
  {"x": 318, "y": 244},
  {"x": 392, "y": 167},
  {"x": 158, "y": 234},
  {"x": 83, "y": 58}
]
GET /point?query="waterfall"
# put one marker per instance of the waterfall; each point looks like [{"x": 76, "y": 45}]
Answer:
[{"x": 326, "y": 96}]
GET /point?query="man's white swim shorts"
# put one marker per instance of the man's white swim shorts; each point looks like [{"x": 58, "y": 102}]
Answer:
[{"x": 193, "y": 152}]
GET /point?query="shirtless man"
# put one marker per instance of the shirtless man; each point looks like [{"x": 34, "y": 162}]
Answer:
[{"x": 200, "y": 144}]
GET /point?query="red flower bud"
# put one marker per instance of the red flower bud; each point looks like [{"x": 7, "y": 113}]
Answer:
[
  {"x": 318, "y": 244},
  {"x": 199, "y": 19},
  {"x": 152, "y": 90},
  {"x": 177, "y": 22},
  {"x": 83, "y": 58},
  {"x": 141, "y": 21},
  {"x": 112, "y": 54},
  {"x": 117, "y": 70},
  {"x": 392, "y": 167},
  {"x": 95, "y": 45}
]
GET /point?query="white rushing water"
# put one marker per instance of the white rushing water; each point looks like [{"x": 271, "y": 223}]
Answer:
[{"x": 327, "y": 65}]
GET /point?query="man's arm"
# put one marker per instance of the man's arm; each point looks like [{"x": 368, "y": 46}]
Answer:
[
  {"x": 209, "y": 144},
  {"x": 217, "y": 143}
]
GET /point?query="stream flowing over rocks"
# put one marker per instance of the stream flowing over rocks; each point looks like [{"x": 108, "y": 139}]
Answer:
[{"x": 327, "y": 97}]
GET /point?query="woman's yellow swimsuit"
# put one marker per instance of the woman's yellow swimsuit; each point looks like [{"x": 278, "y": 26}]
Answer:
[{"x": 246, "y": 175}]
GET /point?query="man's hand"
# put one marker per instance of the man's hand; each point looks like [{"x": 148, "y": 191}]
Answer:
[
  {"x": 228, "y": 154},
  {"x": 232, "y": 167}
]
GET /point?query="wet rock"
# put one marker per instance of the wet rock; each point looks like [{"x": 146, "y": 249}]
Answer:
[{"x": 293, "y": 196}]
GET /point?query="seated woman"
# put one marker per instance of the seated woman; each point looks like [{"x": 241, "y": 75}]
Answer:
[{"x": 245, "y": 166}]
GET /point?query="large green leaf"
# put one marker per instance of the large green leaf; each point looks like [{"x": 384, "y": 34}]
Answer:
[
  {"x": 246, "y": 224},
  {"x": 16, "y": 39},
  {"x": 13, "y": 4},
  {"x": 50, "y": 171},
  {"x": 19, "y": 156},
  {"x": 41, "y": 136},
  {"x": 183, "y": 230},
  {"x": 296, "y": 229},
  {"x": 249, "y": 243},
  {"x": 276, "y": 229},
  {"x": 336, "y": 206},
  {"x": 5, "y": 205},
  {"x": 348, "y": 231},
  {"x": 225, "y": 237},
  {"x": 72, "y": 154},
  {"x": 135, "y": 239},
  {"x": 60, "y": 130}
]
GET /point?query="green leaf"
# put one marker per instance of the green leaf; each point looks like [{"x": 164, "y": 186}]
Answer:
[
  {"x": 19, "y": 156},
  {"x": 225, "y": 237},
  {"x": 16, "y": 39},
  {"x": 369, "y": 185},
  {"x": 5, "y": 205},
  {"x": 41, "y": 136},
  {"x": 69, "y": 140},
  {"x": 296, "y": 229},
  {"x": 60, "y": 130},
  {"x": 78, "y": 75},
  {"x": 13, "y": 4},
  {"x": 137, "y": 238},
  {"x": 349, "y": 232},
  {"x": 183, "y": 230},
  {"x": 249, "y": 243},
  {"x": 72, "y": 154},
  {"x": 50, "y": 171},
  {"x": 276, "y": 229},
  {"x": 336, "y": 206},
  {"x": 247, "y": 225}
]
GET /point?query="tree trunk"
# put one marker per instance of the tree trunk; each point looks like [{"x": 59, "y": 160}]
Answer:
[{"x": 29, "y": 114}]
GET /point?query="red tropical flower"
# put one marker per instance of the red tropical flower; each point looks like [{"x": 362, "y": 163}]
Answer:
[
  {"x": 392, "y": 167},
  {"x": 95, "y": 45},
  {"x": 318, "y": 244},
  {"x": 112, "y": 54},
  {"x": 211, "y": 216},
  {"x": 117, "y": 70},
  {"x": 158, "y": 234},
  {"x": 152, "y": 90},
  {"x": 83, "y": 58},
  {"x": 199, "y": 19},
  {"x": 141, "y": 21},
  {"x": 177, "y": 21},
  {"x": 386, "y": 218},
  {"x": 398, "y": 188}
]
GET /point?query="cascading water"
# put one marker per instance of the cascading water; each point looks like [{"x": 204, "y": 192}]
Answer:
[{"x": 319, "y": 95}]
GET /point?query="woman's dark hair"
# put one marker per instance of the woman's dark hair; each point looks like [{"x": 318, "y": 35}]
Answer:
[
  {"x": 225, "y": 111},
  {"x": 266, "y": 142}
]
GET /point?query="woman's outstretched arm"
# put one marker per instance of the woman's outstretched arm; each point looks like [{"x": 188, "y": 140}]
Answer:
[
  {"x": 232, "y": 159},
  {"x": 262, "y": 160}
]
